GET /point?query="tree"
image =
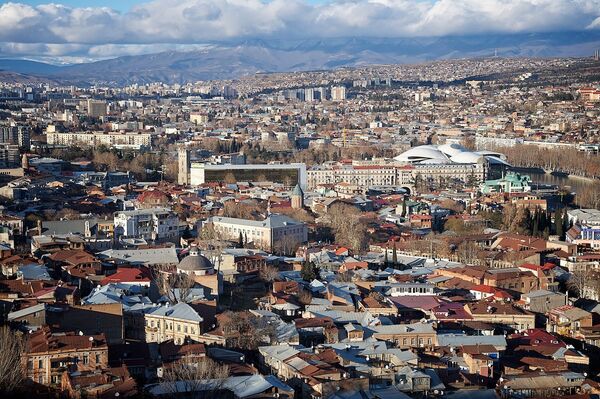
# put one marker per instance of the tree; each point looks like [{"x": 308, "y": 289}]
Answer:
[
  {"x": 467, "y": 252},
  {"x": 176, "y": 287},
  {"x": 246, "y": 331},
  {"x": 348, "y": 228},
  {"x": 558, "y": 224},
  {"x": 268, "y": 274},
  {"x": 240, "y": 241},
  {"x": 394, "y": 255},
  {"x": 205, "y": 375},
  {"x": 309, "y": 271},
  {"x": 11, "y": 370},
  {"x": 578, "y": 280}
]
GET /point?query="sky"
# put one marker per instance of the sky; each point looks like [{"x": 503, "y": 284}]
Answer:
[{"x": 84, "y": 30}]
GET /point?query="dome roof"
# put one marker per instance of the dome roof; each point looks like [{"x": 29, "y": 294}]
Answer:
[
  {"x": 421, "y": 153},
  {"x": 195, "y": 261},
  {"x": 452, "y": 149}
]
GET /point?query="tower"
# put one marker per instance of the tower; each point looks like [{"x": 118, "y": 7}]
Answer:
[
  {"x": 297, "y": 198},
  {"x": 25, "y": 162},
  {"x": 183, "y": 159}
]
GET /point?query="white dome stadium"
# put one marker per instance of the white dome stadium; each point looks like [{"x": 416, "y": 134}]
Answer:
[{"x": 447, "y": 154}]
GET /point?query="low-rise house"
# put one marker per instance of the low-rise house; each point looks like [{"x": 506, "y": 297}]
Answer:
[
  {"x": 177, "y": 322},
  {"x": 567, "y": 320}
]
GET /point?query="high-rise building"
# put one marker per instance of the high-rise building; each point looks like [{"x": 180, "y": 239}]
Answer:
[
  {"x": 183, "y": 175},
  {"x": 9, "y": 156},
  {"x": 96, "y": 108},
  {"x": 338, "y": 93},
  {"x": 309, "y": 94},
  {"x": 15, "y": 134}
]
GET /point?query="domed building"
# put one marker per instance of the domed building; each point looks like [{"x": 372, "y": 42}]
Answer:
[{"x": 195, "y": 264}]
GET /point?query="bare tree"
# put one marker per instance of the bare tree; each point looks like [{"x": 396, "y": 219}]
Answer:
[
  {"x": 246, "y": 331},
  {"x": 578, "y": 280},
  {"x": 11, "y": 370},
  {"x": 305, "y": 297},
  {"x": 204, "y": 377},
  {"x": 347, "y": 226},
  {"x": 169, "y": 284},
  {"x": 467, "y": 252},
  {"x": 268, "y": 274}
]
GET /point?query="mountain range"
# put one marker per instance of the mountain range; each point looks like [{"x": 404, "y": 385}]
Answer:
[{"x": 233, "y": 60}]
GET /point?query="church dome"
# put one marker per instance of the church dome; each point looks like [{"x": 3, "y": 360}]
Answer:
[{"x": 195, "y": 262}]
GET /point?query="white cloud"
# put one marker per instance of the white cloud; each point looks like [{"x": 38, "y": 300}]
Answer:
[{"x": 102, "y": 32}]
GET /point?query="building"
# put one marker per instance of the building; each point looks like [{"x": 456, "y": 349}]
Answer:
[
  {"x": 15, "y": 134},
  {"x": 130, "y": 140},
  {"x": 156, "y": 224},
  {"x": 183, "y": 159},
  {"x": 297, "y": 198},
  {"x": 9, "y": 156},
  {"x": 511, "y": 183},
  {"x": 47, "y": 356},
  {"x": 338, "y": 93},
  {"x": 177, "y": 322},
  {"x": 287, "y": 174},
  {"x": 278, "y": 233},
  {"x": 96, "y": 108}
]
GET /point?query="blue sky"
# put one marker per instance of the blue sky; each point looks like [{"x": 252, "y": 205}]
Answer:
[{"x": 119, "y": 5}]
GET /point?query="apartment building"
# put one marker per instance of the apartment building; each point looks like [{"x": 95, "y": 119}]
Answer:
[
  {"x": 131, "y": 140},
  {"x": 176, "y": 323},
  {"x": 275, "y": 233},
  {"x": 156, "y": 224},
  {"x": 48, "y": 355}
]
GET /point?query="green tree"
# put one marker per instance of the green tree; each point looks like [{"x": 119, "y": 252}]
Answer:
[
  {"x": 241, "y": 240},
  {"x": 309, "y": 271},
  {"x": 395, "y": 254}
]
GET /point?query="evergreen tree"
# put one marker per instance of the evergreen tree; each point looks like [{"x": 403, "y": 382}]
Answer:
[
  {"x": 385, "y": 258},
  {"x": 535, "y": 229},
  {"x": 558, "y": 224},
  {"x": 241, "y": 241},
  {"x": 394, "y": 255},
  {"x": 309, "y": 271}
]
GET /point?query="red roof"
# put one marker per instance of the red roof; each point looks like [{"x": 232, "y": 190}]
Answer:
[{"x": 128, "y": 275}]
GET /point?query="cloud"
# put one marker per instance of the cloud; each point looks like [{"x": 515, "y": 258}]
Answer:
[{"x": 58, "y": 30}]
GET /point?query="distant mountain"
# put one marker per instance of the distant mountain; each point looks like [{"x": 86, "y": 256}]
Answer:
[{"x": 232, "y": 60}]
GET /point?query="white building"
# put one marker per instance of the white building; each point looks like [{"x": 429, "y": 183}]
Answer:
[
  {"x": 338, "y": 93},
  {"x": 276, "y": 233},
  {"x": 133, "y": 140},
  {"x": 157, "y": 224}
]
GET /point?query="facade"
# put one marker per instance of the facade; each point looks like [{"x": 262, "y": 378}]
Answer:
[
  {"x": 133, "y": 140},
  {"x": 273, "y": 233},
  {"x": 338, "y": 93},
  {"x": 48, "y": 356},
  {"x": 287, "y": 174},
  {"x": 9, "y": 156},
  {"x": 96, "y": 108},
  {"x": 157, "y": 224},
  {"x": 394, "y": 173},
  {"x": 176, "y": 323},
  {"x": 183, "y": 160}
]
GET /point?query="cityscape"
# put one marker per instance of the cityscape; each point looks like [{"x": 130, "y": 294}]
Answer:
[{"x": 300, "y": 199}]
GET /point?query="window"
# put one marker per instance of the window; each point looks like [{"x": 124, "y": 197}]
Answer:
[
  {"x": 40, "y": 364},
  {"x": 97, "y": 358},
  {"x": 30, "y": 365},
  {"x": 86, "y": 358},
  {"x": 185, "y": 329},
  {"x": 178, "y": 327}
]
